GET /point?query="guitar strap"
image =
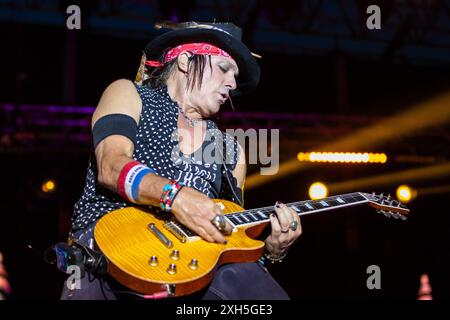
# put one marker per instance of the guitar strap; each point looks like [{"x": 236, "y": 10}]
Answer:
[{"x": 227, "y": 172}]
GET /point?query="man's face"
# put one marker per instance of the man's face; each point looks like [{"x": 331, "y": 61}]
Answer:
[{"x": 216, "y": 85}]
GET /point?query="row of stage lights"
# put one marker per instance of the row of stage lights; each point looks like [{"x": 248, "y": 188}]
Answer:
[
  {"x": 342, "y": 157},
  {"x": 319, "y": 190}
]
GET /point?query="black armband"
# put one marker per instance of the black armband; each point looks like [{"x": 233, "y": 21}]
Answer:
[{"x": 112, "y": 124}]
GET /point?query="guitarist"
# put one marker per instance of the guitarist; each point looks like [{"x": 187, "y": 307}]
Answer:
[{"x": 148, "y": 138}]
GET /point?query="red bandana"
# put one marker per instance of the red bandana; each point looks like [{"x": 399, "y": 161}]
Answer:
[{"x": 195, "y": 48}]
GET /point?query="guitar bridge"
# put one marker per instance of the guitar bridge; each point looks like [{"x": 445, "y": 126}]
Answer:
[{"x": 176, "y": 230}]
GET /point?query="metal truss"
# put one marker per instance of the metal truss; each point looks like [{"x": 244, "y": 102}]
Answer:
[{"x": 37, "y": 127}]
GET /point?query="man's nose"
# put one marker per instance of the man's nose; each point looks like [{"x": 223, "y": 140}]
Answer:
[{"x": 231, "y": 83}]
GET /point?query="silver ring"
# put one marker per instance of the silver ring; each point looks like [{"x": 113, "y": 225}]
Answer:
[
  {"x": 219, "y": 222},
  {"x": 293, "y": 225}
]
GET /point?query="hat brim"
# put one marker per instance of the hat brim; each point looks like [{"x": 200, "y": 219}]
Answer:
[{"x": 249, "y": 72}]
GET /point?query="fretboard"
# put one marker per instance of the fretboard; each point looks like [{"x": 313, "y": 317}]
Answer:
[{"x": 261, "y": 215}]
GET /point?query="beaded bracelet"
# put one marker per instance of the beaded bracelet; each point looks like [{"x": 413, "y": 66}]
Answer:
[
  {"x": 170, "y": 191},
  {"x": 273, "y": 259}
]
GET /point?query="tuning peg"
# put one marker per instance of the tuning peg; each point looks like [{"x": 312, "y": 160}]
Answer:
[
  {"x": 391, "y": 214},
  {"x": 385, "y": 213},
  {"x": 389, "y": 197}
]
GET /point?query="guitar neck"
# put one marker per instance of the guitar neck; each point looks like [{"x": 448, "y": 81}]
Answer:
[
  {"x": 261, "y": 215},
  {"x": 384, "y": 204}
]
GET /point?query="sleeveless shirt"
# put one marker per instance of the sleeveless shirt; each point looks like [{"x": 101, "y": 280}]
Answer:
[{"x": 156, "y": 146}]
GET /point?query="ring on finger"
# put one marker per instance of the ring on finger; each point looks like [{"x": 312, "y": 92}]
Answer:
[
  {"x": 293, "y": 225},
  {"x": 219, "y": 222}
]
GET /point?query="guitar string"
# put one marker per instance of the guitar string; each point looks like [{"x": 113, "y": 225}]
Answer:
[
  {"x": 299, "y": 203},
  {"x": 246, "y": 213}
]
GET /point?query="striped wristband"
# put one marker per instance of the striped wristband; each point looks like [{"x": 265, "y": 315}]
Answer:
[{"x": 129, "y": 179}]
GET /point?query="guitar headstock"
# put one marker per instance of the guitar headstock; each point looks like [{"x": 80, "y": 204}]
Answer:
[{"x": 388, "y": 206}]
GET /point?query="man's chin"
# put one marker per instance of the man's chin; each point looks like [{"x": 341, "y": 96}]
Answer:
[{"x": 213, "y": 109}]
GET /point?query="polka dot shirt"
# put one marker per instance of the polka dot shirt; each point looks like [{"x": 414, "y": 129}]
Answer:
[{"x": 156, "y": 146}]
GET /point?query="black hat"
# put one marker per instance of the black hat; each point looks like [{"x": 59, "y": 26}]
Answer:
[{"x": 226, "y": 36}]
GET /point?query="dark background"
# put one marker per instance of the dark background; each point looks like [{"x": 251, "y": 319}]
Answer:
[{"x": 318, "y": 59}]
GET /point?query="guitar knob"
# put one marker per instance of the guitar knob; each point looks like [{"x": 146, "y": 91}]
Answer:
[
  {"x": 175, "y": 255},
  {"x": 395, "y": 215},
  {"x": 153, "y": 261},
  {"x": 172, "y": 269},
  {"x": 193, "y": 264}
]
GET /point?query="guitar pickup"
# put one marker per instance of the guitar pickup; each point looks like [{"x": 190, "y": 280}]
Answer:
[{"x": 161, "y": 237}]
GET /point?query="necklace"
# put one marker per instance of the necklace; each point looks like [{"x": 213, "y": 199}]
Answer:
[{"x": 191, "y": 122}]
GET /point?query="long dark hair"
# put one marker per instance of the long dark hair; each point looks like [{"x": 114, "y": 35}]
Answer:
[{"x": 195, "y": 69}]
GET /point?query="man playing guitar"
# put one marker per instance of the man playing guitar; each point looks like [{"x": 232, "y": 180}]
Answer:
[{"x": 189, "y": 73}]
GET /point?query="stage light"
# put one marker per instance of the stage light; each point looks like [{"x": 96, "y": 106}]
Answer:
[
  {"x": 318, "y": 190},
  {"x": 342, "y": 157},
  {"x": 405, "y": 193},
  {"x": 49, "y": 186}
]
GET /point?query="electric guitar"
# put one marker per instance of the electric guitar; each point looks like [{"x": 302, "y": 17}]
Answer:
[{"x": 150, "y": 252}]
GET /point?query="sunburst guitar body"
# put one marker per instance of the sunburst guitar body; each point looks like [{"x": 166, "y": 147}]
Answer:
[
  {"x": 141, "y": 260},
  {"x": 148, "y": 251}
]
